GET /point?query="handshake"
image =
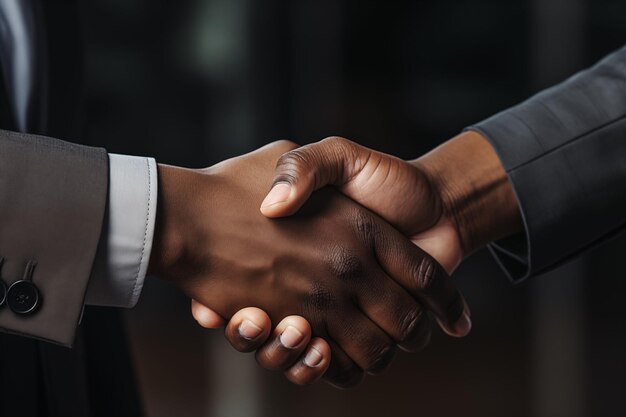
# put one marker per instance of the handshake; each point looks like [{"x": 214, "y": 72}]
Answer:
[{"x": 349, "y": 255}]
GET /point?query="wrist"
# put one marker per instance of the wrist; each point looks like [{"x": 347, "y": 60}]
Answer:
[
  {"x": 476, "y": 194},
  {"x": 171, "y": 229}
]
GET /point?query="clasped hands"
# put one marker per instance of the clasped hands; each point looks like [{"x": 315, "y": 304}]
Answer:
[{"x": 347, "y": 258}]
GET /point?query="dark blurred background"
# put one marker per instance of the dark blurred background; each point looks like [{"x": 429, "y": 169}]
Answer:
[{"x": 193, "y": 82}]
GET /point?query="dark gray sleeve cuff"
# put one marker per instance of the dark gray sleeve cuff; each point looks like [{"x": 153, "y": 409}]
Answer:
[
  {"x": 53, "y": 197},
  {"x": 564, "y": 151}
]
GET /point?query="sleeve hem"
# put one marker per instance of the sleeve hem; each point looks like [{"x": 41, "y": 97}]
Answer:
[
  {"x": 500, "y": 250},
  {"x": 146, "y": 250}
]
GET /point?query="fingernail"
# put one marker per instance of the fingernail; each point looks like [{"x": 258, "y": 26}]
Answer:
[
  {"x": 278, "y": 194},
  {"x": 291, "y": 337},
  {"x": 249, "y": 330},
  {"x": 313, "y": 358},
  {"x": 463, "y": 326}
]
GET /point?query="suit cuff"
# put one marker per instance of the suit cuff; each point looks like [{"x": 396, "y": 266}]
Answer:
[
  {"x": 126, "y": 243},
  {"x": 563, "y": 151}
]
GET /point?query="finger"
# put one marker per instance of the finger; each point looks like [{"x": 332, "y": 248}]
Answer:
[
  {"x": 423, "y": 277},
  {"x": 363, "y": 341},
  {"x": 420, "y": 336},
  {"x": 248, "y": 329},
  {"x": 301, "y": 171},
  {"x": 342, "y": 372},
  {"x": 312, "y": 365},
  {"x": 393, "y": 309},
  {"x": 206, "y": 317},
  {"x": 285, "y": 345}
]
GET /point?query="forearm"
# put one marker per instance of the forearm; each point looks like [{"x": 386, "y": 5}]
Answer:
[{"x": 475, "y": 191}]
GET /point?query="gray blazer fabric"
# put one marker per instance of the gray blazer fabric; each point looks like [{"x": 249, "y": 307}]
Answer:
[
  {"x": 52, "y": 201},
  {"x": 564, "y": 151}
]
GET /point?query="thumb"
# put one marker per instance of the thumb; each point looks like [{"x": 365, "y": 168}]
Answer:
[{"x": 332, "y": 161}]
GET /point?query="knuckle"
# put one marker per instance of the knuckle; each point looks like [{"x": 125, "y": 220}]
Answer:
[
  {"x": 321, "y": 298},
  {"x": 335, "y": 141},
  {"x": 409, "y": 324},
  {"x": 365, "y": 226},
  {"x": 425, "y": 275},
  {"x": 379, "y": 357},
  {"x": 420, "y": 337},
  {"x": 294, "y": 157},
  {"x": 345, "y": 265},
  {"x": 290, "y": 164},
  {"x": 345, "y": 150}
]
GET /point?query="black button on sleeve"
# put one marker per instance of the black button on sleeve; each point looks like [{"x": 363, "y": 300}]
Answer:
[{"x": 23, "y": 297}]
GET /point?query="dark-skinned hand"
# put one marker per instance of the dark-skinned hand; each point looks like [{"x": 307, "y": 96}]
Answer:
[
  {"x": 448, "y": 202},
  {"x": 358, "y": 282}
]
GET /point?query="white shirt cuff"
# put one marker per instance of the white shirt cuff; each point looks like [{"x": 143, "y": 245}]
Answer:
[{"x": 124, "y": 252}]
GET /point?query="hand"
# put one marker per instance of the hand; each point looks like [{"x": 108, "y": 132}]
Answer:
[
  {"x": 415, "y": 196},
  {"x": 331, "y": 263},
  {"x": 400, "y": 192},
  {"x": 449, "y": 202}
]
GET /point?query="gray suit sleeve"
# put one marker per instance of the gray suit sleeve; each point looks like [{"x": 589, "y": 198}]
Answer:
[
  {"x": 53, "y": 196},
  {"x": 564, "y": 151}
]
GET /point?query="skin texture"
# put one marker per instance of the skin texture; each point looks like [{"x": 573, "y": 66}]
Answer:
[
  {"x": 361, "y": 285},
  {"x": 449, "y": 202}
]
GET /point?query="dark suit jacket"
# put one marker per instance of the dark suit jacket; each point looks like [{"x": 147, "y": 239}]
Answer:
[{"x": 565, "y": 153}]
